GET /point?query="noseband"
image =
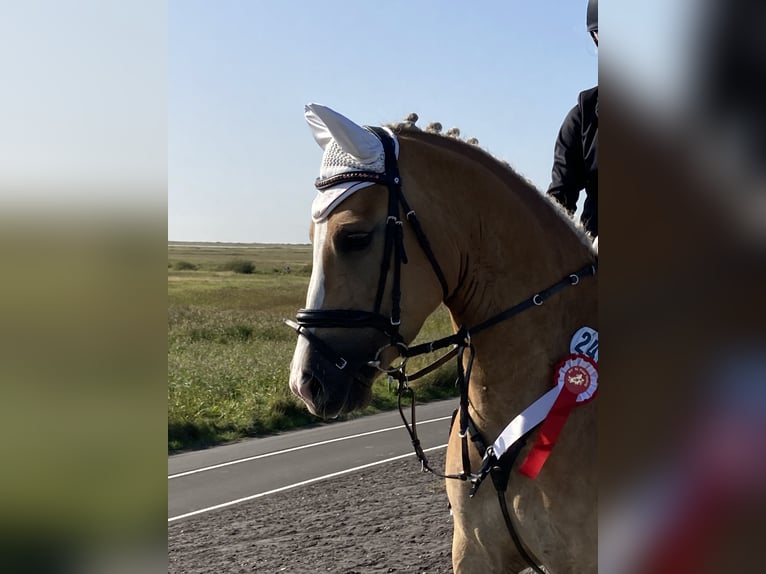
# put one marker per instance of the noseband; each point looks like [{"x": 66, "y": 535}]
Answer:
[{"x": 393, "y": 248}]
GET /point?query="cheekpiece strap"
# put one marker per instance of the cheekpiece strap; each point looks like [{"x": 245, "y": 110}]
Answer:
[{"x": 391, "y": 175}]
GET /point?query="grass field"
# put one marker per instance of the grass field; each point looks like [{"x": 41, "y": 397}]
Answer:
[{"x": 229, "y": 351}]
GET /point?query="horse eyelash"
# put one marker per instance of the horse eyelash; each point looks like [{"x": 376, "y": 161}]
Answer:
[{"x": 355, "y": 241}]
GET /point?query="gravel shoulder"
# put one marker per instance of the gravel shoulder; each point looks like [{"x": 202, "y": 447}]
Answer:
[{"x": 389, "y": 518}]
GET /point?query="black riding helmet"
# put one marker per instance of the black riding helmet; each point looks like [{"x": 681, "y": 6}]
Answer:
[{"x": 591, "y": 18}]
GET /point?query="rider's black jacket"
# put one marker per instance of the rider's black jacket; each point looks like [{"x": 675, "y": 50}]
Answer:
[{"x": 575, "y": 160}]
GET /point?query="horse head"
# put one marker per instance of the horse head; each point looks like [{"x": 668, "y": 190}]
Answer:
[{"x": 364, "y": 258}]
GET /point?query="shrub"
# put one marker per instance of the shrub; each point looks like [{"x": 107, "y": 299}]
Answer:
[
  {"x": 239, "y": 266},
  {"x": 185, "y": 266}
]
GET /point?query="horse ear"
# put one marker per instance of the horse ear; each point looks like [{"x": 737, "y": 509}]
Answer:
[
  {"x": 327, "y": 125},
  {"x": 319, "y": 129}
]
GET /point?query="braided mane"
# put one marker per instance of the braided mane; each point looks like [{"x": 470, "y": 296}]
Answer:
[{"x": 470, "y": 146}]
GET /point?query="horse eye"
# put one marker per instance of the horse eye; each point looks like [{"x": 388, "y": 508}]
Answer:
[{"x": 354, "y": 241}]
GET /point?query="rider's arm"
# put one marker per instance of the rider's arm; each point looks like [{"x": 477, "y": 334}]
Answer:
[{"x": 568, "y": 173}]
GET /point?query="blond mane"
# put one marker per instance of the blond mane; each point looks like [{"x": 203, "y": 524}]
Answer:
[{"x": 470, "y": 148}]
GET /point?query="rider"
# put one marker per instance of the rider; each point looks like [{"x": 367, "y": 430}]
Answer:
[{"x": 575, "y": 158}]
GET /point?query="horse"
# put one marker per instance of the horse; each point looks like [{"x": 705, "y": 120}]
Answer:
[{"x": 466, "y": 230}]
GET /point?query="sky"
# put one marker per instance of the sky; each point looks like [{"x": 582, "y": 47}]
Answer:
[{"x": 241, "y": 159}]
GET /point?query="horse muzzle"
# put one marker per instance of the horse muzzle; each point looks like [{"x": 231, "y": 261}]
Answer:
[{"x": 328, "y": 387}]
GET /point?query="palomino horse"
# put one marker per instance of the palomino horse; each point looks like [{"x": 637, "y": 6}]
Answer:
[{"x": 494, "y": 250}]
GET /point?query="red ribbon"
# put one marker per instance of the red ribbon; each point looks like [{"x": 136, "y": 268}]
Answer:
[
  {"x": 575, "y": 371},
  {"x": 549, "y": 433}
]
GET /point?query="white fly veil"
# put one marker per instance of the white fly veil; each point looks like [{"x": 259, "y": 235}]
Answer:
[{"x": 348, "y": 147}]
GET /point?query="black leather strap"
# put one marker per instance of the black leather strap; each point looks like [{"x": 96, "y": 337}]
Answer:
[
  {"x": 326, "y": 350},
  {"x": 537, "y": 299},
  {"x": 343, "y": 319}
]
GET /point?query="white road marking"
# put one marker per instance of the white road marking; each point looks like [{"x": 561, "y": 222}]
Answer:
[
  {"x": 293, "y": 449},
  {"x": 297, "y": 484}
]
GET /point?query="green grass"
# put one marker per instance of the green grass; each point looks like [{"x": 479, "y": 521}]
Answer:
[{"x": 229, "y": 351}]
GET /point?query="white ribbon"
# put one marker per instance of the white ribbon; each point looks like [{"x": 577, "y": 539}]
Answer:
[{"x": 532, "y": 416}]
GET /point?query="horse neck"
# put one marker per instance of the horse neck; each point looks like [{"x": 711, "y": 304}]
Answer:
[{"x": 503, "y": 243}]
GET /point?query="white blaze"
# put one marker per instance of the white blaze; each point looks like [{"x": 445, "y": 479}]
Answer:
[
  {"x": 314, "y": 300},
  {"x": 315, "y": 296}
]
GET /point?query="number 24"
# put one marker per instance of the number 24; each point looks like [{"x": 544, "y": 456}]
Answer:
[{"x": 592, "y": 349}]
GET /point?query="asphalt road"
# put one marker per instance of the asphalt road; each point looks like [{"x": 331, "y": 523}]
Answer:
[{"x": 206, "y": 480}]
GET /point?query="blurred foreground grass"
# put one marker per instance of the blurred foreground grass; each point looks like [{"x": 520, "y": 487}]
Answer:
[
  {"x": 229, "y": 352},
  {"x": 82, "y": 355}
]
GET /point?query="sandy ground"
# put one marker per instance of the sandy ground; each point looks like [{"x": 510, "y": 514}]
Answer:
[{"x": 389, "y": 518}]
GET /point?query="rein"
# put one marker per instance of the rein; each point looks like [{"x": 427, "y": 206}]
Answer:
[
  {"x": 498, "y": 469},
  {"x": 462, "y": 342},
  {"x": 306, "y": 319}
]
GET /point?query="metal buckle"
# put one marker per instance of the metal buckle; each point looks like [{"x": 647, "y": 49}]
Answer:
[
  {"x": 537, "y": 299},
  {"x": 375, "y": 363},
  {"x": 342, "y": 364},
  {"x": 574, "y": 279}
]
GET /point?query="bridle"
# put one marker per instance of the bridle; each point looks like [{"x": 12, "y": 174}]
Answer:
[
  {"x": 393, "y": 248},
  {"x": 461, "y": 341}
]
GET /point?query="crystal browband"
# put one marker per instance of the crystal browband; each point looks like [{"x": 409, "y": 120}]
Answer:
[{"x": 350, "y": 176}]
